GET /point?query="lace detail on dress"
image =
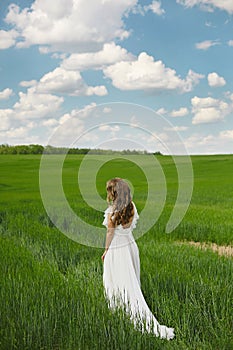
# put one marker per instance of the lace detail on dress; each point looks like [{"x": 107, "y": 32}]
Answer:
[{"x": 109, "y": 210}]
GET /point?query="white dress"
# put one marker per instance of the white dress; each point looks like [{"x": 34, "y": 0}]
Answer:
[{"x": 121, "y": 279}]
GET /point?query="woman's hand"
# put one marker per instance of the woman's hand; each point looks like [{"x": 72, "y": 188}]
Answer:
[{"x": 103, "y": 256}]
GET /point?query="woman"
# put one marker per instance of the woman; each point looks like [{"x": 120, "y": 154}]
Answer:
[{"x": 121, "y": 275}]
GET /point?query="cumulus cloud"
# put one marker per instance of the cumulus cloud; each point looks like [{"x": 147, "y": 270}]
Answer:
[
  {"x": 7, "y": 38},
  {"x": 209, "y": 5},
  {"x": 208, "y": 110},
  {"x": 226, "y": 134},
  {"x": 71, "y": 126},
  {"x": 39, "y": 114},
  {"x": 205, "y": 45},
  {"x": 108, "y": 55},
  {"x": 19, "y": 135},
  {"x": 5, "y": 115},
  {"x": 32, "y": 113},
  {"x": 180, "y": 128},
  {"x": 5, "y": 94},
  {"x": 19, "y": 132},
  {"x": 144, "y": 73},
  {"x": 214, "y": 80},
  {"x": 177, "y": 128},
  {"x": 180, "y": 112},
  {"x": 161, "y": 111},
  {"x": 113, "y": 128},
  {"x": 107, "y": 110},
  {"x": 32, "y": 105},
  {"x": 194, "y": 144},
  {"x": 230, "y": 42},
  {"x": 68, "y": 82},
  {"x": 218, "y": 143},
  {"x": 28, "y": 83},
  {"x": 62, "y": 81},
  {"x": 155, "y": 7},
  {"x": 70, "y": 25},
  {"x": 51, "y": 122},
  {"x": 79, "y": 113},
  {"x": 12, "y": 129}
]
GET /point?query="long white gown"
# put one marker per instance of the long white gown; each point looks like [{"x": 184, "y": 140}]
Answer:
[{"x": 121, "y": 279}]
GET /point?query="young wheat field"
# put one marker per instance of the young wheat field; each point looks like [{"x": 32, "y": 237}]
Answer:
[{"x": 51, "y": 291}]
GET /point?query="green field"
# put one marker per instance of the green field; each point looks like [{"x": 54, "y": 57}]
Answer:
[{"x": 51, "y": 292}]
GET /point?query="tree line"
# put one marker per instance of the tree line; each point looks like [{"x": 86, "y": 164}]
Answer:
[{"x": 39, "y": 149}]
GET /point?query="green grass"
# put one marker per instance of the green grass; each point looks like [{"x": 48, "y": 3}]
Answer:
[{"x": 51, "y": 292}]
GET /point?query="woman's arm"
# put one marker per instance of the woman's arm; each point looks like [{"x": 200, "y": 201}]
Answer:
[{"x": 109, "y": 236}]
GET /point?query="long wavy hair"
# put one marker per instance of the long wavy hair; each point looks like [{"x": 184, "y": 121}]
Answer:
[{"x": 119, "y": 196}]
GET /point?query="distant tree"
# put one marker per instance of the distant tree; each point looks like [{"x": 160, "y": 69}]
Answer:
[
  {"x": 36, "y": 149},
  {"x": 39, "y": 149}
]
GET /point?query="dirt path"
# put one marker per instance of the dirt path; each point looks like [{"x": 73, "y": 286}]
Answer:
[{"x": 220, "y": 249}]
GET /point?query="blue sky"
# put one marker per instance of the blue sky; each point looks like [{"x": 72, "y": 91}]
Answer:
[{"x": 60, "y": 60}]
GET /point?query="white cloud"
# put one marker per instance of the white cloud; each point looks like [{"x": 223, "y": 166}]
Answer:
[
  {"x": 108, "y": 55},
  {"x": 109, "y": 128},
  {"x": 230, "y": 42},
  {"x": 33, "y": 105},
  {"x": 79, "y": 113},
  {"x": 5, "y": 94},
  {"x": 134, "y": 122},
  {"x": 161, "y": 111},
  {"x": 205, "y": 102},
  {"x": 19, "y": 132},
  {"x": 19, "y": 135},
  {"x": 207, "y": 115},
  {"x": 67, "y": 82},
  {"x": 197, "y": 142},
  {"x": 145, "y": 73},
  {"x": 96, "y": 90},
  {"x": 155, "y": 7},
  {"x": 209, "y": 5},
  {"x": 59, "y": 56},
  {"x": 107, "y": 110},
  {"x": 226, "y": 134},
  {"x": 44, "y": 50},
  {"x": 13, "y": 130},
  {"x": 229, "y": 95},
  {"x": 7, "y": 38},
  {"x": 5, "y": 115},
  {"x": 177, "y": 128},
  {"x": 70, "y": 25},
  {"x": 219, "y": 143},
  {"x": 51, "y": 122},
  {"x": 180, "y": 128},
  {"x": 28, "y": 83},
  {"x": 39, "y": 112},
  {"x": 71, "y": 126},
  {"x": 180, "y": 112},
  {"x": 205, "y": 45},
  {"x": 162, "y": 137},
  {"x": 214, "y": 80},
  {"x": 208, "y": 110}
]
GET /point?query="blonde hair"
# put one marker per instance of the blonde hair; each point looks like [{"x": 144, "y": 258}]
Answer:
[{"x": 118, "y": 194}]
